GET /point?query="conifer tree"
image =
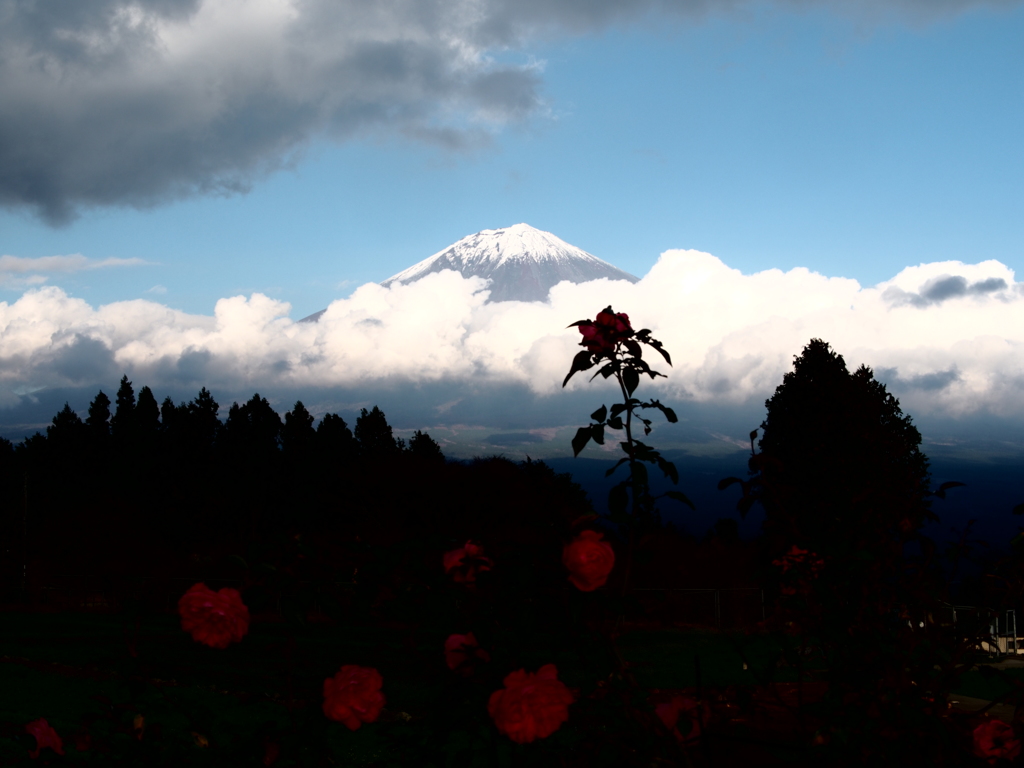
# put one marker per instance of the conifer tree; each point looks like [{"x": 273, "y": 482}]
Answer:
[
  {"x": 836, "y": 448},
  {"x": 169, "y": 415},
  {"x": 67, "y": 426},
  {"x": 147, "y": 413},
  {"x": 202, "y": 423},
  {"x": 298, "y": 435},
  {"x": 334, "y": 439},
  {"x": 423, "y": 448},
  {"x": 254, "y": 427},
  {"x": 123, "y": 421},
  {"x": 374, "y": 436},
  {"x": 99, "y": 415}
]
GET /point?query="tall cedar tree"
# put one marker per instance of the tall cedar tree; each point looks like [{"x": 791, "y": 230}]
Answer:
[
  {"x": 374, "y": 435},
  {"x": 123, "y": 422},
  {"x": 334, "y": 439},
  {"x": 838, "y": 457},
  {"x": 843, "y": 477},
  {"x": 147, "y": 414},
  {"x": 423, "y": 448},
  {"x": 298, "y": 435},
  {"x": 99, "y": 416}
]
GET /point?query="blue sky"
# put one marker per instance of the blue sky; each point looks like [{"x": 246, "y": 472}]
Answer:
[{"x": 770, "y": 137}]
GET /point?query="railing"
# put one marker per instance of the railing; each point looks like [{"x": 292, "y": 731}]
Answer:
[{"x": 1000, "y": 641}]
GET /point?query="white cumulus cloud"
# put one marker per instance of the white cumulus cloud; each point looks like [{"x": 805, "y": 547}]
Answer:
[{"x": 732, "y": 336}]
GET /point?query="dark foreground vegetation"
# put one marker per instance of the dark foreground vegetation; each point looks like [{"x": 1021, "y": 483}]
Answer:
[{"x": 828, "y": 642}]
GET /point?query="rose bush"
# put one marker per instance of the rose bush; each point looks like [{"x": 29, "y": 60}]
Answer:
[
  {"x": 216, "y": 619},
  {"x": 531, "y": 705},
  {"x": 589, "y": 560},
  {"x": 611, "y": 343},
  {"x": 353, "y": 696}
]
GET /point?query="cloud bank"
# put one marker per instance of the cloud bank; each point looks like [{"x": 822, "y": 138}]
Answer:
[
  {"x": 136, "y": 102},
  {"x": 948, "y": 337},
  {"x": 22, "y": 271}
]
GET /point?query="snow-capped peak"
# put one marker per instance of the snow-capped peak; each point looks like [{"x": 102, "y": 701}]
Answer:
[{"x": 522, "y": 263}]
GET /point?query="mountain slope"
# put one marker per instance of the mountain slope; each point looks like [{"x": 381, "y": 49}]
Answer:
[{"x": 521, "y": 262}]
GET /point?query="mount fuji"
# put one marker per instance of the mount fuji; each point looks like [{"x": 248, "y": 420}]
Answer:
[{"x": 521, "y": 262}]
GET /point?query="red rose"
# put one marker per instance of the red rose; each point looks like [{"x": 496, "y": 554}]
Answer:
[
  {"x": 216, "y": 619},
  {"x": 461, "y": 649},
  {"x": 45, "y": 737},
  {"x": 690, "y": 709},
  {"x": 594, "y": 338},
  {"x": 617, "y": 323},
  {"x": 589, "y": 560},
  {"x": 994, "y": 739},
  {"x": 608, "y": 328},
  {"x": 353, "y": 696},
  {"x": 530, "y": 706},
  {"x": 466, "y": 561}
]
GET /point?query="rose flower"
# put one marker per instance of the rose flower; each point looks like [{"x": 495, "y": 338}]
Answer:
[
  {"x": 45, "y": 737},
  {"x": 607, "y": 328},
  {"x": 530, "y": 706},
  {"x": 353, "y": 697},
  {"x": 994, "y": 739},
  {"x": 589, "y": 560},
  {"x": 697, "y": 716},
  {"x": 216, "y": 619}
]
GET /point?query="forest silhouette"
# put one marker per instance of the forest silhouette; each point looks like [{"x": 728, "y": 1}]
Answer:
[
  {"x": 329, "y": 527},
  {"x": 160, "y": 491}
]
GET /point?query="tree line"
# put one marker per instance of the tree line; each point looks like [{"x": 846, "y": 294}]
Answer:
[{"x": 140, "y": 487}]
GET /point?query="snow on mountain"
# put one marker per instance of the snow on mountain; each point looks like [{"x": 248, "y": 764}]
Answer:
[{"x": 521, "y": 262}]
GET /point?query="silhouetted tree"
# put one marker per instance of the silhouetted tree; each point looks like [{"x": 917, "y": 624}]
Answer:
[
  {"x": 334, "y": 439},
  {"x": 147, "y": 414},
  {"x": 123, "y": 421},
  {"x": 374, "y": 435},
  {"x": 254, "y": 427},
  {"x": 202, "y": 424},
  {"x": 169, "y": 415},
  {"x": 837, "y": 450},
  {"x": 845, "y": 487},
  {"x": 423, "y": 448},
  {"x": 99, "y": 416},
  {"x": 298, "y": 435},
  {"x": 67, "y": 428}
]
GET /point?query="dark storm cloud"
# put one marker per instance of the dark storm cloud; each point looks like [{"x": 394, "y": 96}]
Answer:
[
  {"x": 942, "y": 288},
  {"x": 111, "y": 102},
  {"x": 926, "y": 382}
]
